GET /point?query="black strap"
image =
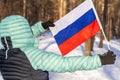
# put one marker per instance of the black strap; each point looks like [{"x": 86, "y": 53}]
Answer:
[{"x": 7, "y": 43}]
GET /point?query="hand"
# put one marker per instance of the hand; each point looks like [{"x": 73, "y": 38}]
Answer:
[
  {"x": 108, "y": 58},
  {"x": 48, "y": 24}
]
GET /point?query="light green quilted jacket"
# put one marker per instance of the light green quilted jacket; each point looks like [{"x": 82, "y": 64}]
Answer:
[{"x": 24, "y": 37}]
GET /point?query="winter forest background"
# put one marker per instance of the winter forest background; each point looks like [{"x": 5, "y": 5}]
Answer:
[{"x": 43, "y": 10}]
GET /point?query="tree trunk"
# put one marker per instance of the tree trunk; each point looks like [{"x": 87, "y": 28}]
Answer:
[
  {"x": 24, "y": 7},
  {"x": 7, "y": 7},
  {"x": 87, "y": 48}
]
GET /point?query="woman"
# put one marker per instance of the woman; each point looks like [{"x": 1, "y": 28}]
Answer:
[{"x": 21, "y": 59}]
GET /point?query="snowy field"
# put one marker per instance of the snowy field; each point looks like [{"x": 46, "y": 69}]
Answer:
[{"x": 108, "y": 72}]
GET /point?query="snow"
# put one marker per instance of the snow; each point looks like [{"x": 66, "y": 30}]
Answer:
[{"x": 107, "y": 72}]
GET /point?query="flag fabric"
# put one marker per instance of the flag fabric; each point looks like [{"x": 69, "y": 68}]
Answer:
[{"x": 76, "y": 27}]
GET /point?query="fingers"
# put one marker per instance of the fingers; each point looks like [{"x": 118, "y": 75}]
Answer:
[
  {"x": 114, "y": 60},
  {"x": 108, "y": 58},
  {"x": 50, "y": 23},
  {"x": 111, "y": 53},
  {"x": 113, "y": 56}
]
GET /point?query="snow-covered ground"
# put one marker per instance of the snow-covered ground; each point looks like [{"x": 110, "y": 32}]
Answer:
[{"x": 108, "y": 72}]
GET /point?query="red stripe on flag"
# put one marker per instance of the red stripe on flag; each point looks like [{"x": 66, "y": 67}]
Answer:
[{"x": 79, "y": 38}]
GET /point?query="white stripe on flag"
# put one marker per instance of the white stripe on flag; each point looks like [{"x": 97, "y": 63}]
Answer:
[{"x": 71, "y": 17}]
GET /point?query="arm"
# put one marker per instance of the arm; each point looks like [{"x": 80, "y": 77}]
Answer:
[
  {"x": 49, "y": 61},
  {"x": 37, "y": 29},
  {"x": 57, "y": 63},
  {"x": 41, "y": 27}
]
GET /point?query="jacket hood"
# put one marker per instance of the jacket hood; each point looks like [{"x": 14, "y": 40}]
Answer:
[
  {"x": 15, "y": 30},
  {"x": 10, "y": 23}
]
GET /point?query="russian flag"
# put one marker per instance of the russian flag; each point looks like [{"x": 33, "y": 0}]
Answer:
[{"x": 76, "y": 27}]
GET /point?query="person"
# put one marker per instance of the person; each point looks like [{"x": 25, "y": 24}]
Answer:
[{"x": 21, "y": 59}]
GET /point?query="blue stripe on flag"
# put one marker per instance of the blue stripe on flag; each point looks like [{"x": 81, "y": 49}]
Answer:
[{"x": 75, "y": 27}]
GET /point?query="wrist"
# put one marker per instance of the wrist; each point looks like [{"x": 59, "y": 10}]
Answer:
[{"x": 102, "y": 60}]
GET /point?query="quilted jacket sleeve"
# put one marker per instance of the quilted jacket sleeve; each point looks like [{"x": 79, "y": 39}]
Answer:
[
  {"x": 49, "y": 61},
  {"x": 37, "y": 29}
]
